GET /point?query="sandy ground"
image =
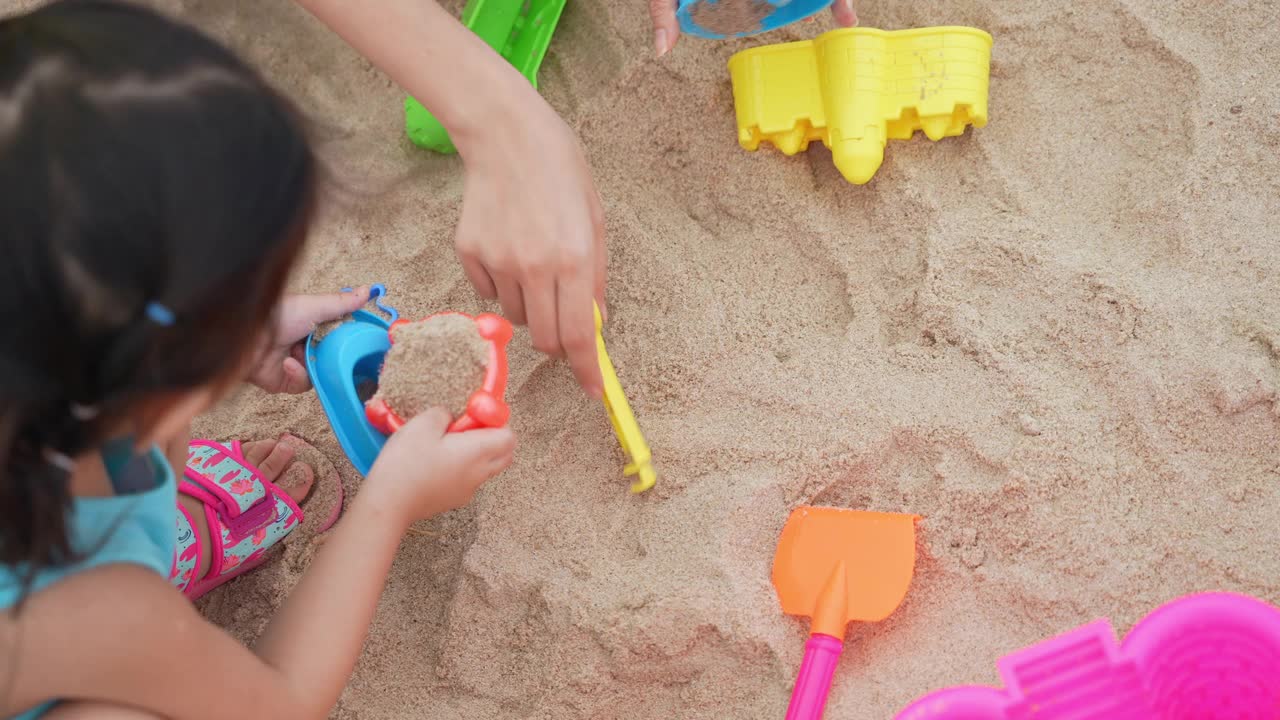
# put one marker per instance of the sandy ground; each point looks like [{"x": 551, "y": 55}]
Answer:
[{"x": 1056, "y": 338}]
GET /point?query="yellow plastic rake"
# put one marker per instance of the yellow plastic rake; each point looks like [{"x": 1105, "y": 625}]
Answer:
[{"x": 639, "y": 459}]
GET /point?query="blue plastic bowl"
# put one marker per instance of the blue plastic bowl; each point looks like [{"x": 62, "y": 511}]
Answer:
[
  {"x": 339, "y": 364},
  {"x": 785, "y": 12}
]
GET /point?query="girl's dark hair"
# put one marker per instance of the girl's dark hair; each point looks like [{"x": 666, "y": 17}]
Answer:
[{"x": 141, "y": 165}]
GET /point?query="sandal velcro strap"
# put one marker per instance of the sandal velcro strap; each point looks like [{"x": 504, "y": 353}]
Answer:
[
  {"x": 246, "y": 513},
  {"x": 230, "y": 485}
]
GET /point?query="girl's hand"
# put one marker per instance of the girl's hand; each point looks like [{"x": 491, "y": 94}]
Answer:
[
  {"x": 532, "y": 228},
  {"x": 424, "y": 471},
  {"x": 282, "y": 367},
  {"x": 666, "y": 29}
]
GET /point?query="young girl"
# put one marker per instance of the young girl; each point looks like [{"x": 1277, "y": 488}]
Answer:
[{"x": 154, "y": 193}]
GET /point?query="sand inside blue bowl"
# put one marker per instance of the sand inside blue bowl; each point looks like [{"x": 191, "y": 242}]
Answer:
[{"x": 730, "y": 17}]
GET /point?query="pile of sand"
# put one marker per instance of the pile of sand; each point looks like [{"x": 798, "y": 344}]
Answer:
[
  {"x": 1056, "y": 338},
  {"x": 437, "y": 362}
]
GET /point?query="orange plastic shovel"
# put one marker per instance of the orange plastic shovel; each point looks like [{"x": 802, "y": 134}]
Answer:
[{"x": 836, "y": 566}]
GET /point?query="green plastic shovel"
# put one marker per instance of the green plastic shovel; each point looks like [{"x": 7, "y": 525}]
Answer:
[{"x": 518, "y": 30}]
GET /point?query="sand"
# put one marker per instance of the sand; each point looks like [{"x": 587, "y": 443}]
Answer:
[
  {"x": 730, "y": 17},
  {"x": 1056, "y": 338},
  {"x": 437, "y": 362}
]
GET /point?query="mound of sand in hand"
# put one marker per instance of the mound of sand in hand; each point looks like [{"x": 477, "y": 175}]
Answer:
[{"x": 437, "y": 362}]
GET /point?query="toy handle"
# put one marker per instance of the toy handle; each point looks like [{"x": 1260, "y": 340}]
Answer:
[{"x": 809, "y": 698}]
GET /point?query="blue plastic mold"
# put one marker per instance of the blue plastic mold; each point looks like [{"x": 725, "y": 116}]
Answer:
[
  {"x": 343, "y": 363},
  {"x": 784, "y": 12}
]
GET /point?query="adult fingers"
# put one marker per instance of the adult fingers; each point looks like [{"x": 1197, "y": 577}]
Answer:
[
  {"x": 544, "y": 328},
  {"x": 601, "y": 260},
  {"x": 844, "y": 13},
  {"x": 479, "y": 277},
  {"x": 665, "y": 26},
  {"x": 511, "y": 298},
  {"x": 578, "y": 332}
]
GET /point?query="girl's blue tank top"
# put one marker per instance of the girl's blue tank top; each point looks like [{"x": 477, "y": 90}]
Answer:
[{"x": 136, "y": 526}]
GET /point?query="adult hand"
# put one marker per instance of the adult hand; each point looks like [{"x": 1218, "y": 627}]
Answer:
[
  {"x": 531, "y": 232},
  {"x": 281, "y": 367},
  {"x": 666, "y": 29},
  {"x": 532, "y": 227}
]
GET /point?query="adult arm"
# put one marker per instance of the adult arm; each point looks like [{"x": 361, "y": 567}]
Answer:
[{"x": 531, "y": 232}]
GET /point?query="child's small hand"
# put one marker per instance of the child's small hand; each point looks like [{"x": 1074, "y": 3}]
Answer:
[
  {"x": 666, "y": 29},
  {"x": 424, "y": 471},
  {"x": 280, "y": 369}
]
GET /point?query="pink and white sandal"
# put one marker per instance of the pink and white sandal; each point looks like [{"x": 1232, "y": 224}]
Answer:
[{"x": 247, "y": 516}]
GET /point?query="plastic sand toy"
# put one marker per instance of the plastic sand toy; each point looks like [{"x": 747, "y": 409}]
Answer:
[
  {"x": 486, "y": 407},
  {"x": 835, "y": 566},
  {"x": 518, "y": 30},
  {"x": 720, "y": 19},
  {"x": 341, "y": 365},
  {"x": 345, "y": 364},
  {"x": 1214, "y": 656},
  {"x": 857, "y": 88},
  {"x": 640, "y": 460}
]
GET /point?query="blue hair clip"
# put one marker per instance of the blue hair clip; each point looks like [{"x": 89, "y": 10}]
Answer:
[{"x": 159, "y": 314}]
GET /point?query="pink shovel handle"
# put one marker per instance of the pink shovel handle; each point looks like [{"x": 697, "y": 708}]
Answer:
[{"x": 809, "y": 697}]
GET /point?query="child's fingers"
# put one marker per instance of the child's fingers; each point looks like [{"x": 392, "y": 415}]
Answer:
[
  {"x": 430, "y": 424},
  {"x": 665, "y": 27},
  {"x": 296, "y": 379},
  {"x": 504, "y": 454},
  {"x": 484, "y": 446},
  {"x": 305, "y": 311},
  {"x": 352, "y": 301},
  {"x": 496, "y": 466},
  {"x": 844, "y": 13}
]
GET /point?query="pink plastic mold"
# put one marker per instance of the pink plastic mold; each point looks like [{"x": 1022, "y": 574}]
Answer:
[{"x": 1214, "y": 656}]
